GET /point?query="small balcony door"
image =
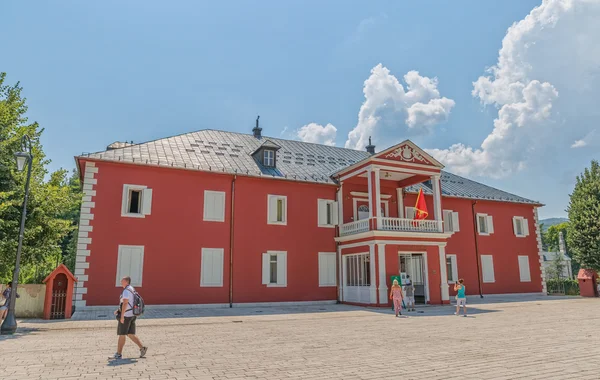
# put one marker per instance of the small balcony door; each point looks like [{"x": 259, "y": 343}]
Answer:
[{"x": 361, "y": 208}]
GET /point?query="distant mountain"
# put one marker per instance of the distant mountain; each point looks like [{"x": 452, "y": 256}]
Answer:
[{"x": 552, "y": 221}]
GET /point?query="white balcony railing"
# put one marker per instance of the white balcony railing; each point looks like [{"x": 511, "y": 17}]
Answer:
[
  {"x": 393, "y": 224},
  {"x": 411, "y": 225},
  {"x": 354, "y": 227}
]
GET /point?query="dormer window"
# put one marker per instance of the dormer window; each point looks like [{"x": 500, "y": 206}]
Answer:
[{"x": 269, "y": 157}]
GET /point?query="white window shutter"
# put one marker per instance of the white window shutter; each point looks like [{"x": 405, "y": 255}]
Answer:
[
  {"x": 332, "y": 269},
  {"x": 272, "y": 208},
  {"x": 490, "y": 224},
  {"x": 524, "y": 272},
  {"x": 455, "y": 223},
  {"x": 206, "y": 277},
  {"x": 266, "y": 269},
  {"x": 335, "y": 210},
  {"x": 281, "y": 268},
  {"x": 212, "y": 267},
  {"x": 525, "y": 227},
  {"x": 515, "y": 230},
  {"x": 410, "y": 212},
  {"x": 219, "y": 206},
  {"x": 447, "y": 220},
  {"x": 136, "y": 265},
  {"x": 322, "y": 269},
  {"x": 487, "y": 266},
  {"x": 147, "y": 201},
  {"x": 322, "y": 212},
  {"x": 478, "y": 224},
  {"x": 208, "y": 204}
]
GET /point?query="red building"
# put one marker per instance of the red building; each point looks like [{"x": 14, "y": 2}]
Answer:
[{"x": 228, "y": 218}]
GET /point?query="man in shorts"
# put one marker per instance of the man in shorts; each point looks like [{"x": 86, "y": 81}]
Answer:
[{"x": 126, "y": 327}]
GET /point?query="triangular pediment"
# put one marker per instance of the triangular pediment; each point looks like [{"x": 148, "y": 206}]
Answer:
[{"x": 408, "y": 152}]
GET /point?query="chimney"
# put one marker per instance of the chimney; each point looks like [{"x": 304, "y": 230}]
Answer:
[
  {"x": 257, "y": 130},
  {"x": 370, "y": 147}
]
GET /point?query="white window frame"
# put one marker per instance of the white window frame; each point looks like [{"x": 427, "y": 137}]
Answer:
[
  {"x": 206, "y": 252},
  {"x": 217, "y": 218},
  {"x": 524, "y": 226},
  {"x": 454, "y": 266},
  {"x": 266, "y": 271},
  {"x": 384, "y": 202},
  {"x": 528, "y": 277},
  {"x": 483, "y": 278},
  {"x": 323, "y": 257},
  {"x": 120, "y": 275},
  {"x": 269, "y": 158},
  {"x": 285, "y": 213},
  {"x": 145, "y": 201},
  {"x": 489, "y": 224},
  {"x": 451, "y": 221},
  {"x": 322, "y": 205}
]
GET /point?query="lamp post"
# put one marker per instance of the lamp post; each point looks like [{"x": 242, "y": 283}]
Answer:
[{"x": 9, "y": 326}]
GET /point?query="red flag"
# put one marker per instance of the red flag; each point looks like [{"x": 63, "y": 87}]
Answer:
[{"x": 421, "y": 207}]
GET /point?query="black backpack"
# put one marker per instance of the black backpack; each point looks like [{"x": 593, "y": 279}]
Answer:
[{"x": 138, "y": 303}]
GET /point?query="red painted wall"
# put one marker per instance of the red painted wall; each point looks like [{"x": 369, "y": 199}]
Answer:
[{"x": 174, "y": 234}]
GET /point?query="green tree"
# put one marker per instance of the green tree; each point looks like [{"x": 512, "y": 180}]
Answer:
[
  {"x": 47, "y": 217},
  {"x": 583, "y": 233},
  {"x": 552, "y": 239}
]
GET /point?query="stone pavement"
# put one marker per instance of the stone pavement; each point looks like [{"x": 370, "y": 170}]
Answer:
[{"x": 532, "y": 339}]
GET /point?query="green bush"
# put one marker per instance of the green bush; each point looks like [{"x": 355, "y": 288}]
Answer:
[{"x": 563, "y": 286}]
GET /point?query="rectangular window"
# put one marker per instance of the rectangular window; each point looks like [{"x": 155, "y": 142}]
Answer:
[
  {"x": 487, "y": 268},
  {"x": 327, "y": 213},
  {"x": 410, "y": 212},
  {"x": 524, "y": 271},
  {"x": 136, "y": 202},
  {"x": 451, "y": 221},
  {"x": 520, "y": 226},
  {"x": 485, "y": 224},
  {"x": 358, "y": 270},
  {"x": 214, "y": 206},
  {"x": 451, "y": 268},
  {"x": 211, "y": 267},
  {"x": 277, "y": 209},
  {"x": 327, "y": 270},
  {"x": 269, "y": 158},
  {"x": 274, "y": 269},
  {"x": 130, "y": 262}
]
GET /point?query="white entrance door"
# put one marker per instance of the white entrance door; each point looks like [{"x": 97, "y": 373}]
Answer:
[
  {"x": 414, "y": 265},
  {"x": 357, "y": 278}
]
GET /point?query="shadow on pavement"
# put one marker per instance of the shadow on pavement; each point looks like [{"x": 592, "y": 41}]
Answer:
[
  {"x": 120, "y": 362},
  {"x": 21, "y": 331}
]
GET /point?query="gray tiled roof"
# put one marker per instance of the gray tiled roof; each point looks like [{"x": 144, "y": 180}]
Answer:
[{"x": 231, "y": 152}]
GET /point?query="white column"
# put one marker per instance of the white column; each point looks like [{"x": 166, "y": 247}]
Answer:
[
  {"x": 377, "y": 198},
  {"x": 373, "y": 287},
  {"x": 370, "y": 193},
  {"x": 383, "y": 295},
  {"x": 340, "y": 203},
  {"x": 443, "y": 275},
  {"x": 400, "y": 202},
  {"x": 341, "y": 274},
  {"x": 437, "y": 200}
]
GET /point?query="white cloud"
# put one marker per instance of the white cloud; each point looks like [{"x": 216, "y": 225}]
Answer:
[
  {"x": 390, "y": 112},
  {"x": 552, "y": 51},
  {"x": 589, "y": 139},
  {"x": 317, "y": 133}
]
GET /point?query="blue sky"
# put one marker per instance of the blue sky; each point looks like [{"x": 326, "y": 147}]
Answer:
[{"x": 97, "y": 72}]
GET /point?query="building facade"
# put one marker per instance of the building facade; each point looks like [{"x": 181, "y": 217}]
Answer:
[{"x": 227, "y": 218}]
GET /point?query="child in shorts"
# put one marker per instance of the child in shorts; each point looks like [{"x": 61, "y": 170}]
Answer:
[{"x": 461, "y": 298}]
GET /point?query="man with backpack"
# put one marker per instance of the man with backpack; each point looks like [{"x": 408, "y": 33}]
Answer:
[{"x": 127, "y": 313}]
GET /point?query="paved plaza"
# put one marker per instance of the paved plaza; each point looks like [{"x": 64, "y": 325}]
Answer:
[{"x": 544, "y": 338}]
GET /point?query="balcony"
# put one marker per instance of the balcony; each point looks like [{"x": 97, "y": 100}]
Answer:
[{"x": 391, "y": 224}]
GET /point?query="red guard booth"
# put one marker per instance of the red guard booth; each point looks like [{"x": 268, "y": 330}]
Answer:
[
  {"x": 59, "y": 293},
  {"x": 587, "y": 283}
]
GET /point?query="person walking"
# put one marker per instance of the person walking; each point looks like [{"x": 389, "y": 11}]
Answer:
[
  {"x": 126, "y": 327},
  {"x": 396, "y": 296},
  {"x": 410, "y": 294},
  {"x": 6, "y": 295},
  {"x": 461, "y": 298}
]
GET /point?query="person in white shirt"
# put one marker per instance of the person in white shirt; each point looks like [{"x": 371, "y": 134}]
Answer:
[{"x": 126, "y": 327}]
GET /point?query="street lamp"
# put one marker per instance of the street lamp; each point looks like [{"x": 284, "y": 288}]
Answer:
[{"x": 9, "y": 326}]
